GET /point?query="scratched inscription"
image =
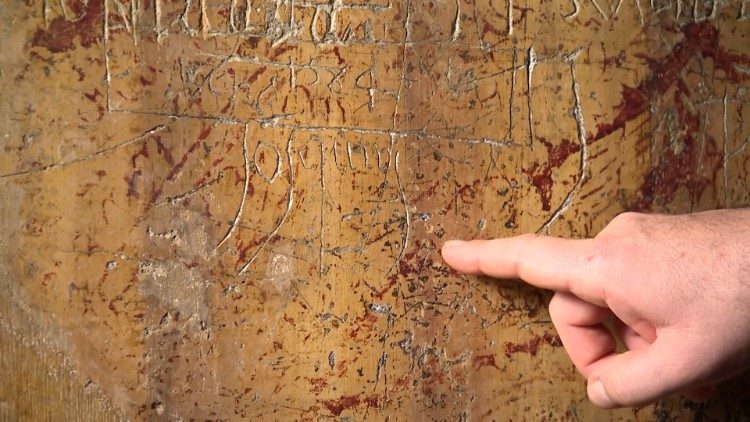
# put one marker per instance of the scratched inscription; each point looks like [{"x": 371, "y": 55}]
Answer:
[{"x": 228, "y": 209}]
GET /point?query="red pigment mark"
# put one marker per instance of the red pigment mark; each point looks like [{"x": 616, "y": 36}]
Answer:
[
  {"x": 364, "y": 323},
  {"x": 141, "y": 152},
  {"x": 372, "y": 401},
  {"x": 675, "y": 169},
  {"x": 163, "y": 150},
  {"x": 343, "y": 403},
  {"x": 484, "y": 360},
  {"x": 700, "y": 38},
  {"x": 343, "y": 111},
  {"x": 93, "y": 96},
  {"x": 617, "y": 60},
  {"x": 469, "y": 191},
  {"x": 205, "y": 132},
  {"x": 79, "y": 71},
  {"x": 155, "y": 193},
  {"x": 522, "y": 17},
  {"x": 281, "y": 50},
  {"x": 532, "y": 346},
  {"x": 132, "y": 190},
  {"x": 427, "y": 193},
  {"x": 318, "y": 384},
  {"x": 492, "y": 30},
  {"x": 392, "y": 280},
  {"x": 433, "y": 374},
  {"x": 256, "y": 74},
  {"x": 338, "y": 55},
  {"x": 541, "y": 173},
  {"x": 283, "y": 107},
  {"x": 252, "y": 41},
  {"x": 409, "y": 265},
  {"x": 62, "y": 32},
  {"x": 402, "y": 383},
  {"x": 177, "y": 167},
  {"x": 309, "y": 97}
]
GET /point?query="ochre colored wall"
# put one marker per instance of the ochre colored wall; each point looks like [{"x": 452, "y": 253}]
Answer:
[{"x": 224, "y": 209}]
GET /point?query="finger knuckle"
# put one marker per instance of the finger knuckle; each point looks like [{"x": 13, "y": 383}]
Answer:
[
  {"x": 610, "y": 266},
  {"x": 622, "y": 246},
  {"x": 632, "y": 226},
  {"x": 602, "y": 254},
  {"x": 628, "y": 219}
]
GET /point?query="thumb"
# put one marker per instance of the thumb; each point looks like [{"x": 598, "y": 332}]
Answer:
[{"x": 638, "y": 377}]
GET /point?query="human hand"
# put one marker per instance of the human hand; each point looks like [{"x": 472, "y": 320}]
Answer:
[{"x": 678, "y": 288}]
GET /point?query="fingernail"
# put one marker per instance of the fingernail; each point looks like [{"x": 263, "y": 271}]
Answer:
[
  {"x": 599, "y": 396},
  {"x": 453, "y": 244}
]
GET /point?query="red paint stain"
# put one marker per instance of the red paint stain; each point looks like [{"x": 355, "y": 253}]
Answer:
[
  {"x": 372, "y": 401},
  {"x": 487, "y": 28},
  {"x": 132, "y": 189},
  {"x": 317, "y": 385},
  {"x": 163, "y": 150},
  {"x": 433, "y": 375},
  {"x": 699, "y": 39},
  {"x": 256, "y": 74},
  {"x": 674, "y": 167},
  {"x": 484, "y": 360},
  {"x": 677, "y": 168},
  {"x": 402, "y": 383},
  {"x": 409, "y": 265},
  {"x": 205, "y": 132},
  {"x": 143, "y": 152},
  {"x": 309, "y": 97},
  {"x": 541, "y": 173},
  {"x": 177, "y": 167},
  {"x": 93, "y": 96},
  {"x": 343, "y": 111},
  {"x": 532, "y": 346},
  {"x": 344, "y": 402},
  {"x": 62, "y": 33},
  {"x": 338, "y": 55},
  {"x": 281, "y": 50},
  {"x": 427, "y": 193},
  {"x": 363, "y": 325}
]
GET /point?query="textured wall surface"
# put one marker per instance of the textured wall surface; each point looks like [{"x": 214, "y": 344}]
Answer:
[{"x": 224, "y": 209}]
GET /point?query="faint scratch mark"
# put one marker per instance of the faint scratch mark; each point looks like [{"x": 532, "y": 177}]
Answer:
[
  {"x": 457, "y": 22},
  {"x": 322, "y": 205},
  {"x": 576, "y": 9},
  {"x": 510, "y": 17},
  {"x": 531, "y": 62},
  {"x": 192, "y": 192},
  {"x": 583, "y": 166},
  {"x": 640, "y": 12},
  {"x": 600, "y": 10},
  {"x": 402, "y": 192},
  {"x": 245, "y": 190},
  {"x": 287, "y": 211},
  {"x": 139, "y": 138}
]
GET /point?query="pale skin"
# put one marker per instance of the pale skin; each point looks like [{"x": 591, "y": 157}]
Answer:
[{"x": 677, "y": 287}]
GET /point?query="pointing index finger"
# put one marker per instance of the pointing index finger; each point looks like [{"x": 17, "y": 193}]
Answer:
[{"x": 543, "y": 261}]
